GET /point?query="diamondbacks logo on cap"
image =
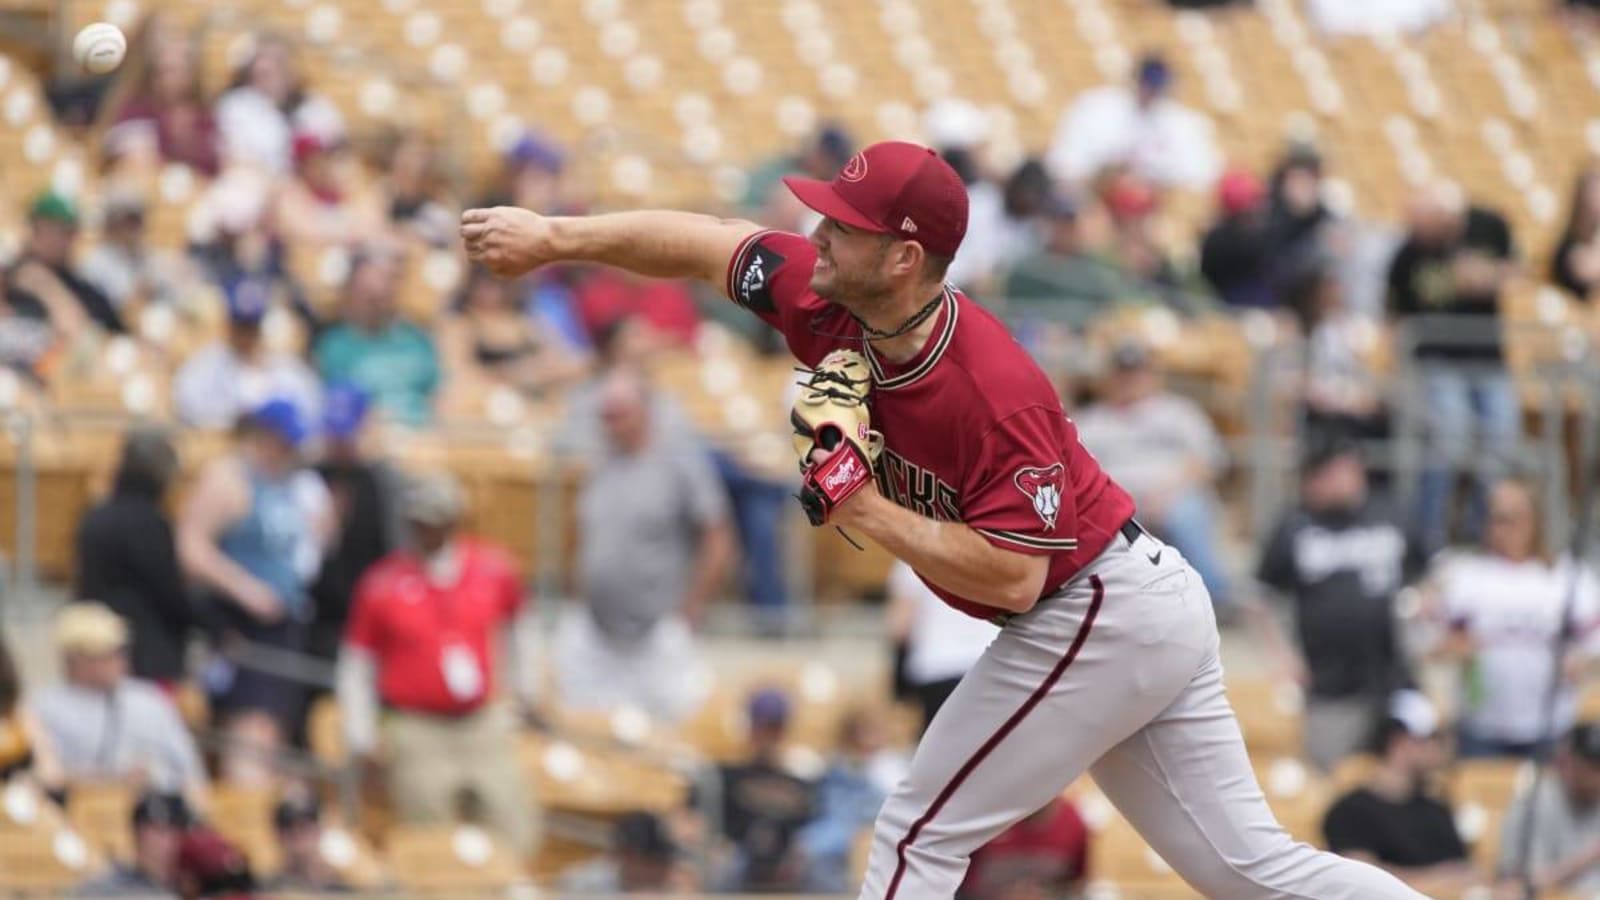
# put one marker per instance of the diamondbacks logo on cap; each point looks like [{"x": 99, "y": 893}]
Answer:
[
  {"x": 855, "y": 169},
  {"x": 1043, "y": 487}
]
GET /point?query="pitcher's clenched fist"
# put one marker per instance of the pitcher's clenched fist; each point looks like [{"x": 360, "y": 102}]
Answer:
[{"x": 506, "y": 240}]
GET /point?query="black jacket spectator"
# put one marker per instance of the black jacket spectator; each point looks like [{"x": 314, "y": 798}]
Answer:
[
  {"x": 127, "y": 559},
  {"x": 1236, "y": 254},
  {"x": 1454, "y": 263}
]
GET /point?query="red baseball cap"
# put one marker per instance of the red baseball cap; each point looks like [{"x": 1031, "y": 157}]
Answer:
[{"x": 894, "y": 187}]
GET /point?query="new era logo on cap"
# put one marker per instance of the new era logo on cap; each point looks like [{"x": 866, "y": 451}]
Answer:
[{"x": 894, "y": 187}]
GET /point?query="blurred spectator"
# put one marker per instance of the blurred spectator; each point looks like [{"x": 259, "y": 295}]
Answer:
[
  {"x": 1298, "y": 215},
  {"x": 324, "y": 205},
  {"x": 238, "y": 372},
  {"x": 297, "y": 821},
  {"x": 1340, "y": 560},
  {"x": 47, "y": 298},
  {"x": 430, "y": 623},
  {"x": 1341, "y": 394},
  {"x": 959, "y": 131},
  {"x": 266, "y": 104},
  {"x": 1074, "y": 274},
  {"x": 1140, "y": 127},
  {"x": 1237, "y": 253},
  {"x": 231, "y": 238},
  {"x": 160, "y": 822},
  {"x": 414, "y": 190},
  {"x": 1445, "y": 284},
  {"x": 656, "y": 543},
  {"x": 24, "y": 745},
  {"x": 207, "y": 865},
  {"x": 375, "y": 349},
  {"x": 821, "y": 155},
  {"x": 105, "y": 725},
  {"x": 1393, "y": 820},
  {"x": 1162, "y": 448},
  {"x": 1047, "y": 852},
  {"x": 1503, "y": 606},
  {"x": 1139, "y": 248},
  {"x": 1575, "y": 265},
  {"x": 488, "y": 339},
  {"x": 934, "y": 645},
  {"x": 606, "y": 296},
  {"x": 760, "y": 505},
  {"x": 848, "y": 796},
  {"x": 644, "y": 858},
  {"x": 165, "y": 118},
  {"x": 127, "y": 558},
  {"x": 765, "y": 804},
  {"x": 252, "y": 532},
  {"x": 1346, "y": 18},
  {"x": 530, "y": 176},
  {"x": 1563, "y": 854},
  {"x": 365, "y": 490},
  {"x": 128, "y": 271}
]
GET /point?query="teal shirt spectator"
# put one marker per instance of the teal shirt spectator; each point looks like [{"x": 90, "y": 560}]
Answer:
[
  {"x": 264, "y": 542},
  {"x": 397, "y": 366}
]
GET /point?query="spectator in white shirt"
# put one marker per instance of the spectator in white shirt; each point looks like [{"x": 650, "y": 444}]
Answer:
[
  {"x": 934, "y": 644},
  {"x": 265, "y": 105},
  {"x": 1142, "y": 127},
  {"x": 238, "y": 373},
  {"x": 1502, "y": 607}
]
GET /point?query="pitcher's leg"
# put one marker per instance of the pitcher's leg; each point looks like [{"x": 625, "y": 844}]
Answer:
[
  {"x": 1054, "y": 691},
  {"x": 1185, "y": 782}
]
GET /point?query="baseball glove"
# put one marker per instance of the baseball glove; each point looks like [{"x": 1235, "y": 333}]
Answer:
[{"x": 831, "y": 413}]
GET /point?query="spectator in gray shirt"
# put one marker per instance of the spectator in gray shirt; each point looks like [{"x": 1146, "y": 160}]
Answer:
[
  {"x": 1162, "y": 448},
  {"x": 1565, "y": 851},
  {"x": 106, "y": 726},
  {"x": 657, "y": 542}
]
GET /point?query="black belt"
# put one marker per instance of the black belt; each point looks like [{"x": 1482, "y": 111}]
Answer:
[{"x": 1132, "y": 530}]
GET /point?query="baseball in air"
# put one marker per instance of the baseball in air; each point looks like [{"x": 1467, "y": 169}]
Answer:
[{"x": 100, "y": 47}]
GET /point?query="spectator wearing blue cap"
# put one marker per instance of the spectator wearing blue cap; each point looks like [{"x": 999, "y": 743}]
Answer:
[
  {"x": 370, "y": 526},
  {"x": 252, "y": 533},
  {"x": 376, "y": 349},
  {"x": 530, "y": 175},
  {"x": 238, "y": 372},
  {"x": 1138, "y": 127},
  {"x": 1074, "y": 276}
]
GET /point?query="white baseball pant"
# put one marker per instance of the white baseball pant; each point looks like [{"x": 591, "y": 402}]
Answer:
[{"x": 1117, "y": 674}]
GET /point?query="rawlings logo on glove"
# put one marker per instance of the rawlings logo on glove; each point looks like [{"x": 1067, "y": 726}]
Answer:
[{"x": 831, "y": 414}]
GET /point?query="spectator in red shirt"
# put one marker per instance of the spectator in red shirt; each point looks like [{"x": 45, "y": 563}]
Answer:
[
  {"x": 1042, "y": 855},
  {"x": 422, "y": 643}
]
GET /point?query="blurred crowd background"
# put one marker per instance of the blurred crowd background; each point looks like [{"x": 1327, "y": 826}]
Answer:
[{"x": 333, "y": 564}]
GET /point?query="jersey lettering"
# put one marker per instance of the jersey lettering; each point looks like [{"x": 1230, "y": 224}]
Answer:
[{"x": 917, "y": 489}]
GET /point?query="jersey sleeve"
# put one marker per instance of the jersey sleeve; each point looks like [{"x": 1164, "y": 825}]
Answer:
[
  {"x": 1018, "y": 493},
  {"x": 770, "y": 275}
]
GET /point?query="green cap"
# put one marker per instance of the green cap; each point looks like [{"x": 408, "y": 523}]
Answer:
[{"x": 51, "y": 205}]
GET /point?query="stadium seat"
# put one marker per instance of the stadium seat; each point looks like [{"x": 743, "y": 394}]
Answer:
[
  {"x": 102, "y": 813},
  {"x": 1119, "y": 856},
  {"x": 243, "y": 815},
  {"x": 45, "y": 862},
  {"x": 450, "y": 860},
  {"x": 1269, "y": 713}
]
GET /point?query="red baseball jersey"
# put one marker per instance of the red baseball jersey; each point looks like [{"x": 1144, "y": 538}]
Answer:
[{"x": 974, "y": 431}]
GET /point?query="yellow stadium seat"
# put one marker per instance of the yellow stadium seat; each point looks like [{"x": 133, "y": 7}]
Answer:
[
  {"x": 103, "y": 815},
  {"x": 45, "y": 862},
  {"x": 1269, "y": 713},
  {"x": 243, "y": 815},
  {"x": 450, "y": 859}
]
